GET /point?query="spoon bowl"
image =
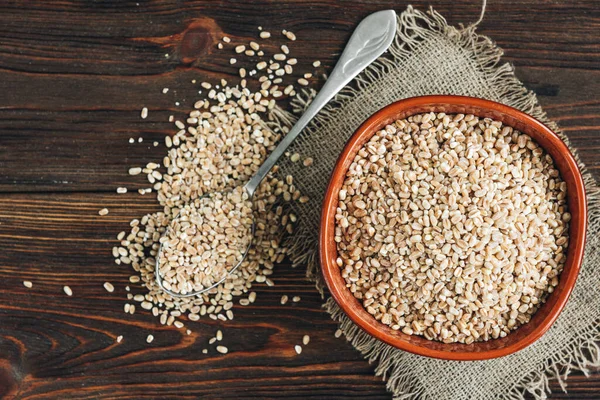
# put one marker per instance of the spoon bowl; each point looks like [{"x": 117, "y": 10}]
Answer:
[{"x": 164, "y": 285}]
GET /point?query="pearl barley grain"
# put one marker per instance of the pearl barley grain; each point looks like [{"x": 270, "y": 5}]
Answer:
[{"x": 461, "y": 226}]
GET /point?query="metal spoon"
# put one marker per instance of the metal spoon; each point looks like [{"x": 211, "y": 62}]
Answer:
[{"x": 371, "y": 38}]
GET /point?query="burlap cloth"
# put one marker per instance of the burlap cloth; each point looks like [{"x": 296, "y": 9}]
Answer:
[{"x": 430, "y": 57}]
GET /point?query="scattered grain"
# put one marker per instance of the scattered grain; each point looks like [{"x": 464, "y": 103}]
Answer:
[
  {"x": 222, "y": 349},
  {"x": 109, "y": 287}
]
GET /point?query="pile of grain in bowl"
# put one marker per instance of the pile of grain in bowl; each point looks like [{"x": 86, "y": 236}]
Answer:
[
  {"x": 223, "y": 145},
  {"x": 207, "y": 239},
  {"x": 452, "y": 227}
]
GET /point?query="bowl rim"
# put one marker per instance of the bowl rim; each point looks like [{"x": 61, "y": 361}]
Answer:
[{"x": 365, "y": 320}]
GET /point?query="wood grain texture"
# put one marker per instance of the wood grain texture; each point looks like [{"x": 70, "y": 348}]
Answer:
[{"x": 73, "y": 79}]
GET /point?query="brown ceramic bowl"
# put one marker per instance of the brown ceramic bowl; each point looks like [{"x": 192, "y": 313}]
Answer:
[{"x": 548, "y": 312}]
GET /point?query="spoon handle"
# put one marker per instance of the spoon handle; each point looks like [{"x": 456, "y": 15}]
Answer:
[{"x": 371, "y": 38}]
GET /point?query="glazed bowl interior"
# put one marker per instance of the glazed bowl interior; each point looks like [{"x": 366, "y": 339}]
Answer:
[{"x": 546, "y": 314}]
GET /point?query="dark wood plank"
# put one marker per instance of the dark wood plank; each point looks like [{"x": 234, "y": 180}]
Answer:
[
  {"x": 73, "y": 78},
  {"x": 59, "y": 346}
]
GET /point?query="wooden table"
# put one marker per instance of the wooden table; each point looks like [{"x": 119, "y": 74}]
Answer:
[{"x": 73, "y": 78}]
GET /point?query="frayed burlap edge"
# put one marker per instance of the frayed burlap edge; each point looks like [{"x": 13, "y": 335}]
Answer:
[{"x": 414, "y": 27}]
